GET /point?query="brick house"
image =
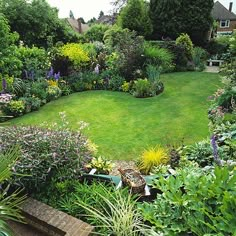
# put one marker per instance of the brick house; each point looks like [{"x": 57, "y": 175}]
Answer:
[{"x": 225, "y": 18}]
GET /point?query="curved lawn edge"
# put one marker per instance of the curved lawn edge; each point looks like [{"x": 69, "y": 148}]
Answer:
[{"x": 122, "y": 126}]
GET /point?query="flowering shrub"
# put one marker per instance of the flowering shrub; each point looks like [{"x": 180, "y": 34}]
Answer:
[
  {"x": 54, "y": 152},
  {"x": 5, "y": 98}
]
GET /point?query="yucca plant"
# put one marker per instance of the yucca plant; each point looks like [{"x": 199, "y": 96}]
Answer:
[
  {"x": 119, "y": 216},
  {"x": 9, "y": 204},
  {"x": 153, "y": 157}
]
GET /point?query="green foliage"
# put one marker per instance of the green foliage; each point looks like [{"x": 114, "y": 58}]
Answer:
[
  {"x": 115, "y": 83},
  {"x": 46, "y": 153},
  {"x": 116, "y": 213},
  {"x": 53, "y": 92},
  {"x": 185, "y": 41},
  {"x": 159, "y": 57},
  {"x": 9, "y": 61},
  {"x": 142, "y": 88},
  {"x": 153, "y": 157},
  {"x": 199, "y": 58},
  {"x": 153, "y": 73},
  {"x": 9, "y": 204},
  {"x": 100, "y": 163},
  {"x": 128, "y": 47},
  {"x": 14, "y": 108},
  {"x": 200, "y": 152},
  {"x": 38, "y": 89},
  {"x": 96, "y": 32},
  {"x": 35, "y": 62},
  {"x": 194, "y": 202},
  {"x": 137, "y": 10},
  {"x": 36, "y": 22},
  {"x": 31, "y": 103},
  {"x": 170, "y": 18},
  {"x": 76, "y": 55}
]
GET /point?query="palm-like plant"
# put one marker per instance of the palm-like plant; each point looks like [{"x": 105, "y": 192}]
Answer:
[{"x": 9, "y": 204}]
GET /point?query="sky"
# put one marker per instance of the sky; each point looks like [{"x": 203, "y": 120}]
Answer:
[{"x": 91, "y": 8}]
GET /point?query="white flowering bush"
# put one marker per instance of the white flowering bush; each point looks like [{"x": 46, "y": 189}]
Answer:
[{"x": 5, "y": 98}]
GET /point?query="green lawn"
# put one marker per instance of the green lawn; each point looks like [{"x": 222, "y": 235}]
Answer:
[{"x": 122, "y": 126}]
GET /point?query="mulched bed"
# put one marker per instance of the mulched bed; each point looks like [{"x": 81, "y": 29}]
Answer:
[{"x": 122, "y": 165}]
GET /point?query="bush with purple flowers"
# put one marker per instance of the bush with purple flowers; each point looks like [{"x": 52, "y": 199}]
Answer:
[{"x": 47, "y": 152}]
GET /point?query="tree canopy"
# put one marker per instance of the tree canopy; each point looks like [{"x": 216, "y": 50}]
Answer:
[
  {"x": 170, "y": 18},
  {"x": 36, "y": 22},
  {"x": 134, "y": 16}
]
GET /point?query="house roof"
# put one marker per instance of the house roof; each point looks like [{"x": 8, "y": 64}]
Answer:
[
  {"x": 75, "y": 25},
  {"x": 219, "y": 12}
]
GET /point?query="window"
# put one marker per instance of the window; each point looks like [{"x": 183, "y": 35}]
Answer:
[{"x": 224, "y": 23}]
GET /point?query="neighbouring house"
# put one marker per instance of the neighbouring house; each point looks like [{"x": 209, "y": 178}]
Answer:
[
  {"x": 76, "y": 25},
  {"x": 107, "y": 19},
  {"x": 225, "y": 18}
]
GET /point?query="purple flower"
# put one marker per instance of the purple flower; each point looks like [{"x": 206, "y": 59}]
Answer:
[
  {"x": 50, "y": 73},
  {"x": 57, "y": 76},
  {"x": 4, "y": 84}
]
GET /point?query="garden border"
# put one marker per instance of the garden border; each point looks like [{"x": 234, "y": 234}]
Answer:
[{"x": 53, "y": 222}]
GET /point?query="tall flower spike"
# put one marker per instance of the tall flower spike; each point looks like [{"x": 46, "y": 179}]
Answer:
[{"x": 4, "y": 85}]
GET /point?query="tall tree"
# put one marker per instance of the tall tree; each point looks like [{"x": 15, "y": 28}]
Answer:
[
  {"x": 36, "y": 22},
  {"x": 170, "y": 18},
  {"x": 134, "y": 16},
  {"x": 101, "y": 14},
  {"x": 71, "y": 15}
]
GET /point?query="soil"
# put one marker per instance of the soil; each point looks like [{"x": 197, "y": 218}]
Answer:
[{"x": 122, "y": 165}]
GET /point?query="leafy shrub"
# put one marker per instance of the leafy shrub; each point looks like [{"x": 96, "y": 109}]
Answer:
[
  {"x": 14, "y": 108},
  {"x": 143, "y": 88},
  {"x": 185, "y": 41},
  {"x": 96, "y": 32},
  {"x": 200, "y": 152},
  {"x": 115, "y": 83},
  {"x": 38, "y": 89},
  {"x": 153, "y": 157},
  {"x": 129, "y": 48},
  {"x": 76, "y": 54},
  {"x": 35, "y": 62},
  {"x": 125, "y": 86},
  {"x": 46, "y": 153},
  {"x": 53, "y": 92},
  {"x": 159, "y": 57},
  {"x": 194, "y": 202},
  {"x": 31, "y": 103}
]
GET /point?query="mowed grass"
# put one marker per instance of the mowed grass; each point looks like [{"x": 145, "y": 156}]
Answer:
[{"x": 122, "y": 126}]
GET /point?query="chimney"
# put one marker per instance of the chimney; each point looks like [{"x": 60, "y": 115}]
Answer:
[
  {"x": 230, "y": 6},
  {"x": 79, "y": 25}
]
